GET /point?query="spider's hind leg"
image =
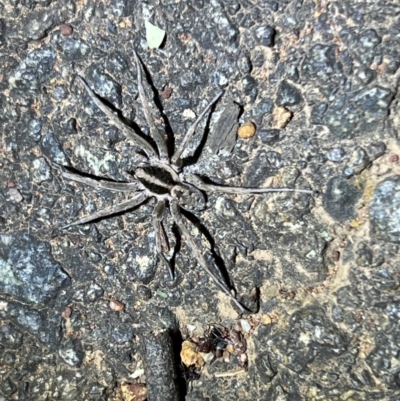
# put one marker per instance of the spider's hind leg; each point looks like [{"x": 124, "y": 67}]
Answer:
[
  {"x": 178, "y": 218},
  {"x": 161, "y": 239}
]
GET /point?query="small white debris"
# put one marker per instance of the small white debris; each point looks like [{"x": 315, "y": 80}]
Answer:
[
  {"x": 154, "y": 35},
  {"x": 190, "y": 327},
  {"x": 189, "y": 114},
  {"x": 137, "y": 373},
  {"x": 245, "y": 325}
]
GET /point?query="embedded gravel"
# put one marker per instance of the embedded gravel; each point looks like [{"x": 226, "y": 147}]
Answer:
[{"x": 320, "y": 273}]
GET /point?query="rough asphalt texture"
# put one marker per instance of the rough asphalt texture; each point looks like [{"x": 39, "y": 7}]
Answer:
[{"x": 326, "y": 268}]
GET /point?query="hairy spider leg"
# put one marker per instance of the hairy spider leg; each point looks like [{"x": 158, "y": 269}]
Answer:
[
  {"x": 176, "y": 158},
  {"x": 196, "y": 180},
  {"x": 178, "y": 218},
  {"x": 104, "y": 184},
  {"x": 110, "y": 210},
  {"x": 159, "y": 233},
  {"x": 154, "y": 132},
  {"x": 127, "y": 131}
]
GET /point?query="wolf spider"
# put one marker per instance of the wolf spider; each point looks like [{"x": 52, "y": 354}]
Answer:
[{"x": 162, "y": 177}]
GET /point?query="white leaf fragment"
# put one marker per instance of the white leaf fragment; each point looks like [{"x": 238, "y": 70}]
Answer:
[{"x": 154, "y": 35}]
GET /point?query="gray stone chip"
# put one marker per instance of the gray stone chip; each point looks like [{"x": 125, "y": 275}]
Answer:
[
  {"x": 385, "y": 210},
  {"x": 29, "y": 270}
]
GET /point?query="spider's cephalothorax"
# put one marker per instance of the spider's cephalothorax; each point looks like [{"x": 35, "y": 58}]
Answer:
[{"x": 161, "y": 177}]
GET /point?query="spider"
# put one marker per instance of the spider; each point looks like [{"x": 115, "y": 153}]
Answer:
[{"x": 162, "y": 176}]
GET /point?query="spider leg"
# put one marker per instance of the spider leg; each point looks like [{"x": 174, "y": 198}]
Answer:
[
  {"x": 128, "y": 132},
  {"x": 154, "y": 132},
  {"x": 198, "y": 182},
  {"x": 177, "y": 155},
  {"x": 160, "y": 236},
  {"x": 110, "y": 210},
  {"x": 103, "y": 184},
  {"x": 178, "y": 218}
]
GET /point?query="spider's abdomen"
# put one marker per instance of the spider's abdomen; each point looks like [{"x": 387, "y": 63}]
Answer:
[{"x": 189, "y": 197}]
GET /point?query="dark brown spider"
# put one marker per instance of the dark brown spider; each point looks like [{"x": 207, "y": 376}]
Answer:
[{"x": 162, "y": 177}]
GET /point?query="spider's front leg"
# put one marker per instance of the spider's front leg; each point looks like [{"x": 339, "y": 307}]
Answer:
[
  {"x": 126, "y": 130},
  {"x": 110, "y": 210},
  {"x": 103, "y": 184},
  {"x": 178, "y": 219},
  {"x": 176, "y": 158},
  {"x": 154, "y": 132}
]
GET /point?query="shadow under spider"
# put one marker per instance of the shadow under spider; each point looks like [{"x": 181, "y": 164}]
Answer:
[{"x": 162, "y": 177}]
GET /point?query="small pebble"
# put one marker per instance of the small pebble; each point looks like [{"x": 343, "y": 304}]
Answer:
[
  {"x": 116, "y": 305},
  {"x": 67, "y": 312},
  {"x": 335, "y": 256},
  {"x": 190, "y": 114},
  {"x": 134, "y": 391},
  {"x": 14, "y": 195},
  {"x": 336, "y": 154},
  {"x": 166, "y": 92},
  {"x": 190, "y": 354},
  {"x": 66, "y": 30},
  {"x": 247, "y": 130},
  {"x": 245, "y": 325},
  {"x": 266, "y": 319},
  {"x": 393, "y": 158},
  {"x": 281, "y": 117}
]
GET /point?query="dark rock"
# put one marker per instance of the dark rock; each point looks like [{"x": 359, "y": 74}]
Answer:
[
  {"x": 259, "y": 170},
  {"x": 287, "y": 95},
  {"x": 7, "y": 387},
  {"x": 30, "y": 272},
  {"x": 34, "y": 71},
  {"x": 265, "y": 35},
  {"x": 75, "y": 49},
  {"x": 263, "y": 108},
  {"x": 94, "y": 292},
  {"x": 363, "y": 77},
  {"x": 269, "y": 136},
  {"x": 244, "y": 65},
  {"x": 105, "y": 86},
  {"x": 392, "y": 66},
  {"x": 336, "y": 154},
  {"x": 250, "y": 87},
  {"x": 2, "y": 31},
  {"x": 144, "y": 292},
  {"x": 320, "y": 63},
  {"x": 121, "y": 334},
  {"x": 340, "y": 199},
  {"x": 52, "y": 148},
  {"x": 59, "y": 93},
  {"x": 317, "y": 113},
  {"x": 367, "y": 42},
  {"x": 373, "y": 102},
  {"x": 112, "y": 28},
  {"x": 72, "y": 352},
  {"x": 375, "y": 150},
  {"x": 362, "y": 112},
  {"x": 357, "y": 163},
  {"x": 364, "y": 255},
  {"x": 384, "y": 210},
  {"x": 118, "y": 62}
]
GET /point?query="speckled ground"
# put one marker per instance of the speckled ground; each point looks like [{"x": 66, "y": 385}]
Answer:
[{"x": 320, "y": 81}]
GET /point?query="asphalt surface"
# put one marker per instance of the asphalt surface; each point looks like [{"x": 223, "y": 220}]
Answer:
[{"x": 319, "y": 80}]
